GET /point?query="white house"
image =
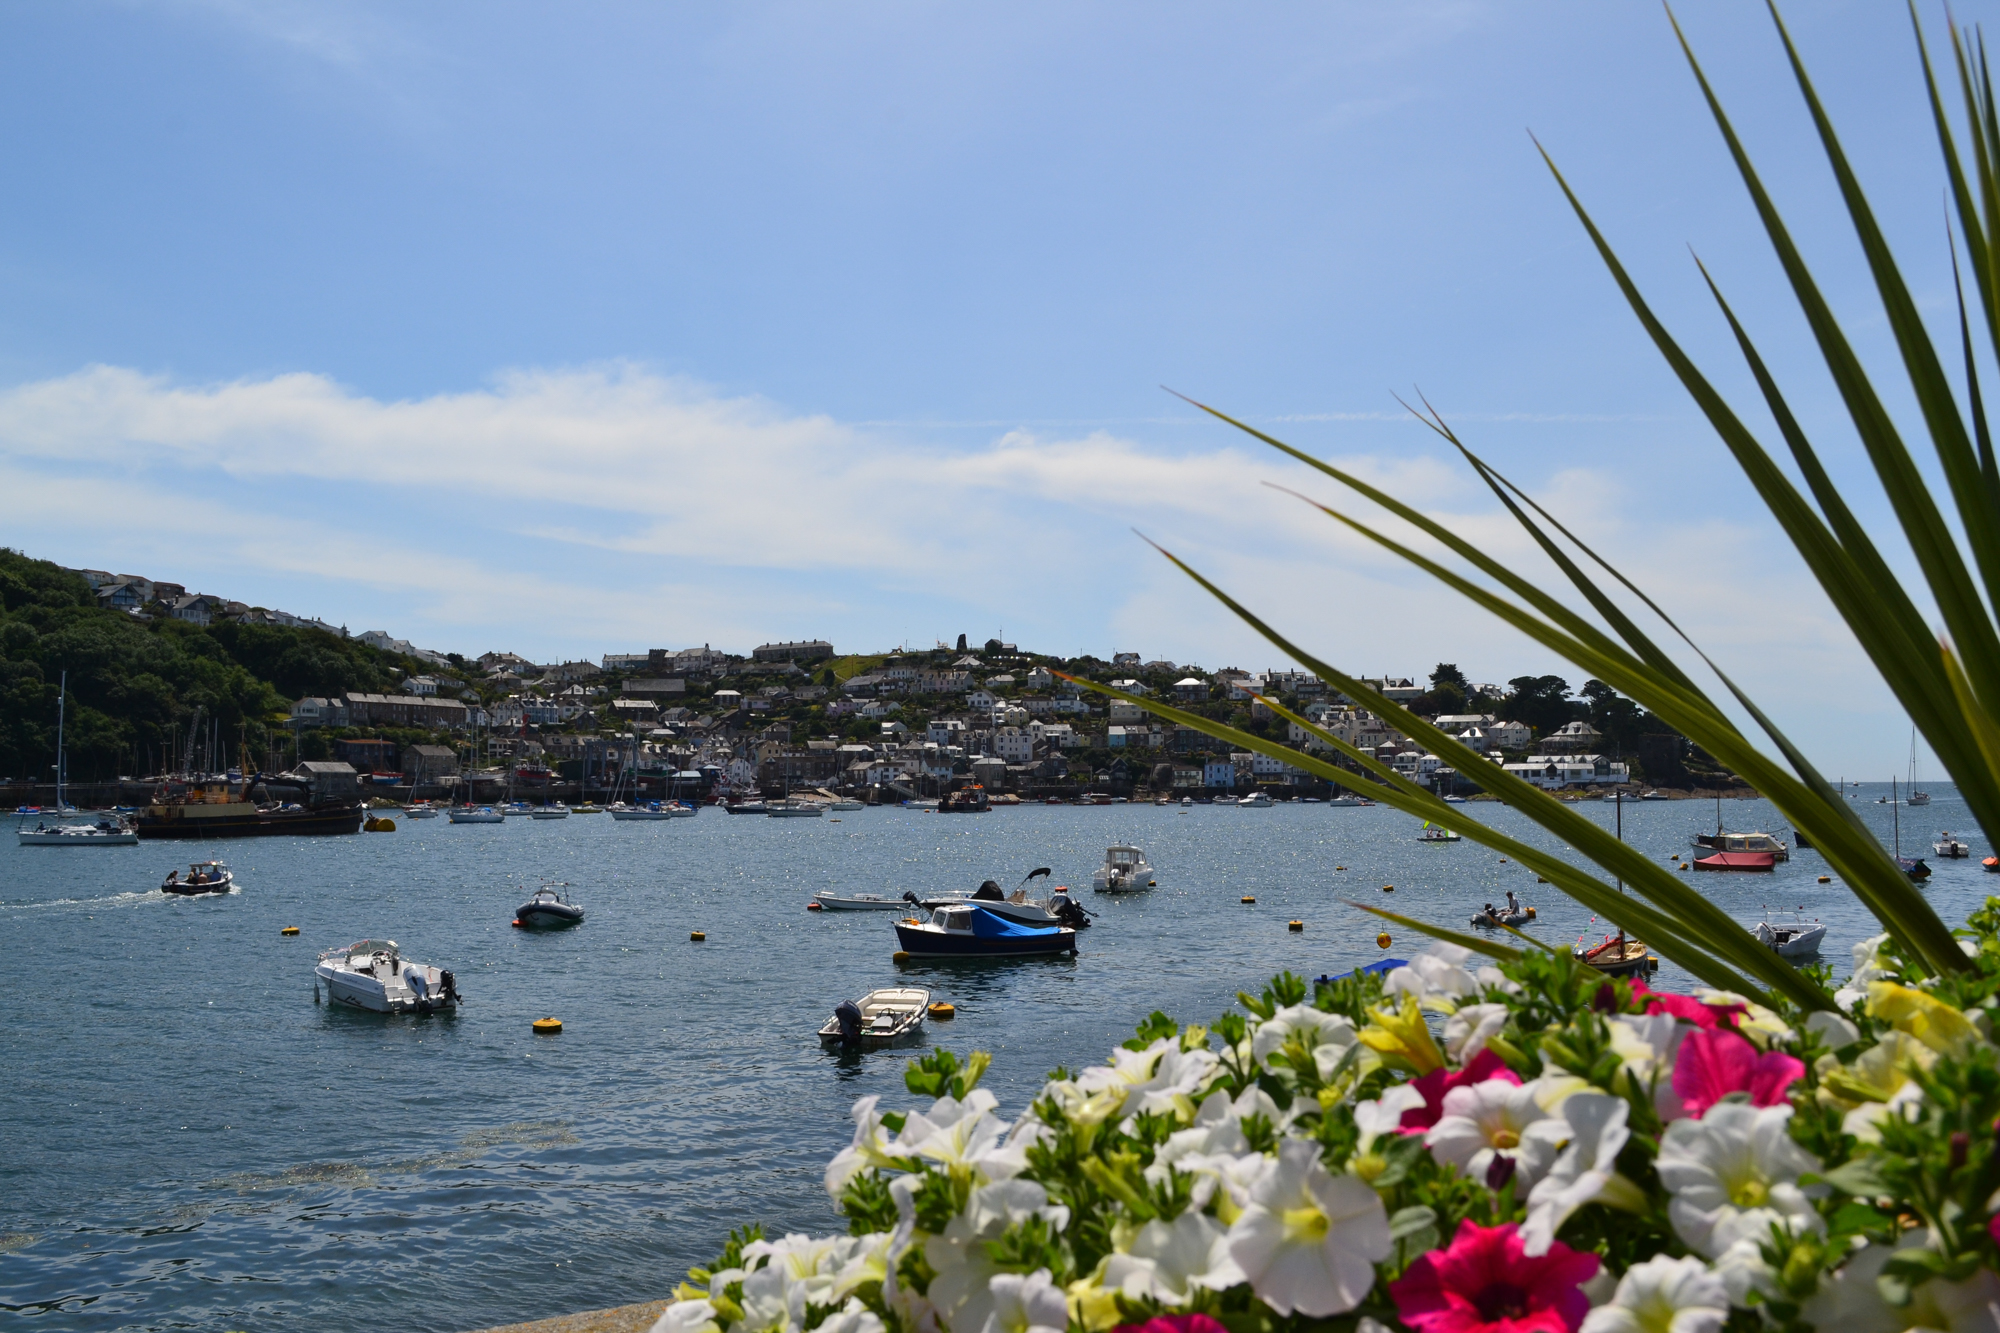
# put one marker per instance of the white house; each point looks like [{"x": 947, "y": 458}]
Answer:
[
  {"x": 981, "y": 700},
  {"x": 1061, "y": 734},
  {"x": 1508, "y": 735},
  {"x": 1041, "y": 678},
  {"x": 945, "y": 731},
  {"x": 1014, "y": 745},
  {"x": 1130, "y": 687},
  {"x": 1124, "y": 711},
  {"x": 420, "y": 685}
]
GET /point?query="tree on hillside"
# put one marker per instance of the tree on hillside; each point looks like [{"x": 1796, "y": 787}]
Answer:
[{"x": 1542, "y": 702}]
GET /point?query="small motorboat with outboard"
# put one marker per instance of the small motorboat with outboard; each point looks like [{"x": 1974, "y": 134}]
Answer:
[
  {"x": 1125, "y": 870},
  {"x": 374, "y": 975},
  {"x": 1437, "y": 833},
  {"x": 476, "y": 814},
  {"x": 1950, "y": 848},
  {"x": 106, "y": 831},
  {"x": 830, "y": 901},
  {"x": 553, "y": 810},
  {"x": 1491, "y": 918},
  {"x": 1256, "y": 800},
  {"x": 972, "y": 930},
  {"x": 1058, "y": 909},
  {"x": 202, "y": 877},
  {"x": 1797, "y": 940},
  {"x": 879, "y": 1018},
  {"x": 548, "y": 910}
]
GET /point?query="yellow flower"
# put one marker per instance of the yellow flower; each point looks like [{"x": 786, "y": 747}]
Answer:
[
  {"x": 1402, "y": 1039},
  {"x": 1092, "y": 1306},
  {"x": 1925, "y": 1017},
  {"x": 1877, "y": 1074}
]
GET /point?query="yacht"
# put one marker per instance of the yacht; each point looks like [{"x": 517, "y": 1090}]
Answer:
[
  {"x": 420, "y": 810},
  {"x": 374, "y": 975},
  {"x": 844, "y": 804},
  {"x": 555, "y": 810},
  {"x": 1256, "y": 800},
  {"x": 796, "y": 810},
  {"x": 515, "y": 809},
  {"x": 1125, "y": 870},
  {"x": 475, "y": 814},
  {"x": 622, "y": 812}
]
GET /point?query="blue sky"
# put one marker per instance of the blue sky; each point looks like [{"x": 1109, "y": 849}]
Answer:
[{"x": 574, "y": 329}]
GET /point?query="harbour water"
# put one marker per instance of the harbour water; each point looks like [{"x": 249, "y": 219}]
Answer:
[{"x": 193, "y": 1143}]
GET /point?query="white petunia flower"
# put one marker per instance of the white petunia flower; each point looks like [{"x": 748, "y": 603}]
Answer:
[
  {"x": 1151, "y": 1080},
  {"x": 1869, "y": 966},
  {"x": 1309, "y": 1241},
  {"x": 1496, "y": 1118},
  {"x": 1864, "y": 1122},
  {"x": 1663, "y": 1296},
  {"x": 1435, "y": 978},
  {"x": 854, "y": 1317},
  {"x": 1385, "y": 1114},
  {"x": 954, "y": 1133},
  {"x": 687, "y": 1317},
  {"x": 1490, "y": 977},
  {"x": 1647, "y": 1046},
  {"x": 1467, "y": 1031},
  {"x": 1850, "y": 1301},
  {"x": 962, "y": 1290},
  {"x": 1733, "y": 1174},
  {"x": 1217, "y": 1132},
  {"x": 871, "y": 1149},
  {"x": 1168, "y": 1260},
  {"x": 1587, "y": 1171},
  {"x": 1832, "y": 1029},
  {"x": 1327, "y": 1036},
  {"x": 1027, "y": 1304}
]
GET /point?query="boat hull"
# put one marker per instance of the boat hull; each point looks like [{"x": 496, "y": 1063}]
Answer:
[
  {"x": 34, "y": 838},
  {"x": 919, "y": 942},
  {"x": 331, "y": 819},
  {"x": 835, "y": 903},
  {"x": 232, "y": 819},
  {"x": 549, "y": 918},
  {"x": 477, "y": 817}
]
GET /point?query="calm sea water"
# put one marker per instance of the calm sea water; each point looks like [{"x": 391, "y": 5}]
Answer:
[{"x": 192, "y": 1143}]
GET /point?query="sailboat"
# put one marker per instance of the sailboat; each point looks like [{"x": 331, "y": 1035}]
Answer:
[
  {"x": 1620, "y": 957},
  {"x": 104, "y": 832},
  {"x": 1916, "y": 796}
]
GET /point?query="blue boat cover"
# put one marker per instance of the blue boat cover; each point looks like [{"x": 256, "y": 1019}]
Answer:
[{"x": 992, "y": 926}]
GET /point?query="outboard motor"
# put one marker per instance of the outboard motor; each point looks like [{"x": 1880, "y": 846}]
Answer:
[
  {"x": 848, "y": 1013},
  {"x": 1070, "y": 912},
  {"x": 448, "y": 988},
  {"x": 912, "y": 899}
]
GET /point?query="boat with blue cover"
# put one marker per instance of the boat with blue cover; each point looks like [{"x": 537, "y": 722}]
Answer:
[{"x": 972, "y": 931}]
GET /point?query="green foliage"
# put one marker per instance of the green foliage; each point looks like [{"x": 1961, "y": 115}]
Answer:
[{"x": 938, "y": 1074}]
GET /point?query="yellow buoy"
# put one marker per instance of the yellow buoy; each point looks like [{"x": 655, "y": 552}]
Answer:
[
  {"x": 1296, "y": 925},
  {"x": 378, "y": 825},
  {"x": 546, "y": 1026},
  {"x": 942, "y": 1011},
  {"x": 697, "y": 936},
  {"x": 1340, "y": 867},
  {"x": 1388, "y": 888},
  {"x": 1684, "y": 865},
  {"x": 1503, "y": 860},
  {"x": 1826, "y": 879},
  {"x": 289, "y": 930},
  {"x": 1248, "y": 899},
  {"x": 1382, "y": 940},
  {"x": 900, "y": 956}
]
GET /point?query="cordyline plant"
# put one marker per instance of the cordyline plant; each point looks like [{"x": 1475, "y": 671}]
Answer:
[{"x": 1948, "y": 681}]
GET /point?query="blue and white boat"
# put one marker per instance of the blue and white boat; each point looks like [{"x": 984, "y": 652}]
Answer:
[{"x": 972, "y": 931}]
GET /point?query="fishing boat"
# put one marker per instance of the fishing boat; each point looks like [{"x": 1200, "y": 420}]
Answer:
[
  {"x": 548, "y": 909},
  {"x": 974, "y": 931},
  {"x": 475, "y": 814},
  {"x": 966, "y": 801},
  {"x": 1751, "y": 861},
  {"x": 1794, "y": 941},
  {"x": 1619, "y": 957},
  {"x": 880, "y": 1018},
  {"x": 1437, "y": 833},
  {"x": 1950, "y": 848},
  {"x": 553, "y": 810},
  {"x": 106, "y": 831},
  {"x": 373, "y": 975},
  {"x": 830, "y": 901},
  {"x": 1125, "y": 870},
  {"x": 623, "y": 813},
  {"x": 202, "y": 877}
]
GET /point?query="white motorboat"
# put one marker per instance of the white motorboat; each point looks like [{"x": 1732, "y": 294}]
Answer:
[
  {"x": 475, "y": 814},
  {"x": 622, "y": 812},
  {"x": 104, "y": 832},
  {"x": 745, "y": 808},
  {"x": 1256, "y": 800},
  {"x": 1437, "y": 833},
  {"x": 681, "y": 810},
  {"x": 515, "y": 809},
  {"x": 420, "y": 810},
  {"x": 557, "y": 810},
  {"x": 796, "y": 810},
  {"x": 202, "y": 877},
  {"x": 1187, "y": 800},
  {"x": 1125, "y": 870},
  {"x": 844, "y": 804},
  {"x": 1952, "y": 849},
  {"x": 1348, "y": 798},
  {"x": 373, "y": 975},
  {"x": 548, "y": 909},
  {"x": 879, "y": 1018},
  {"x": 858, "y": 902},
  {"x": 1453, "y": 800},
  {"x": 1654, "y": 796},
  {"x": 1794, "y": 941}
]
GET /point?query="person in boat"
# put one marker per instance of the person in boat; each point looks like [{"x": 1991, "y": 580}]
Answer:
[
  {"x": 1491, "y": 914},
  {"x": 1513, "y": 907},
  {"x": 173, "y": 877}
]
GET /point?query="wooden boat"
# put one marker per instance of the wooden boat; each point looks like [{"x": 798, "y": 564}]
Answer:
[
  {"x": 1751, "y": 861},
  {"x": 1620, "y": 958},
  {"x": 879, "y": 1018},
  {"x": 202, "y": 877}
]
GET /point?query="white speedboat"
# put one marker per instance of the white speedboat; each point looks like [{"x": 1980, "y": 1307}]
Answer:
[
  {"x": 1256, "y": 800},
  {"x": 1797, "y": 940},
  {"x": 548, "y": 909},
  {"x": 475, "y": 814},
  {"x": 1348, "y": 798},
  {"x": 373, "y": 975},
  {"x": 1654, "y": 796},
  {"x": 879, "y": 1018},
  {"x": 202, "y": 877},
  {"x": 1125, "y": 870},
  {"x": 420, "y": 810},
  {"x": 858, "y": 902},
  {"x": 1187, "y": 800},
  {"x": 557, "y": 810},
  {"x": 1950, "y": 848},
  {"x": 1453, "y": 800},
  {"x": 796, "y": 810},
  {"x": 105, "y": 832}
]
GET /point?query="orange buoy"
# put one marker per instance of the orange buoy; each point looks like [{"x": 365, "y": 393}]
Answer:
[
  {"x": 697, "y": 936},
  {"x": 1826, "y": 879},
  {"x": 547, "y": 1027},
  {"x": 1340, "y": 867},
  {"x": 1296, "y": 925},
  {"x": 815, "y": 905},
  {"x": 1388, "y": 888},
  {"x": 516, "y": 923},
  {"x": 289, "y": 930}
]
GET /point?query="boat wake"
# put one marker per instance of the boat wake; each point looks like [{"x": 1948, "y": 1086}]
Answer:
[{"x": 126, "y": 899}]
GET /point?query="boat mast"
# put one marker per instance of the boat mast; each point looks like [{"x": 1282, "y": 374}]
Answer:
[
  {"x": 62, "y": 707},
  {"x": 1896, "y": 819}
]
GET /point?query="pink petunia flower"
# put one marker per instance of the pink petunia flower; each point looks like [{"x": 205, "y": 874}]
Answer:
[
  {"x": 1484, "y": 1283},
  {"x": 1713, "y": 1064},
  {"x": 1174, "y": 1323},
  {"x": 1434, "y": 1086},
  {"x": 1707, "y": 1017}
]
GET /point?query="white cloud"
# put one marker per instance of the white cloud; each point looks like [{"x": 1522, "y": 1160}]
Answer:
[{"x": 574, "y": 512}]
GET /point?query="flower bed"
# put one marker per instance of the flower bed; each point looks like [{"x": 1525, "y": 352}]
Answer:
[{"x": 1563, "y": 1152}]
